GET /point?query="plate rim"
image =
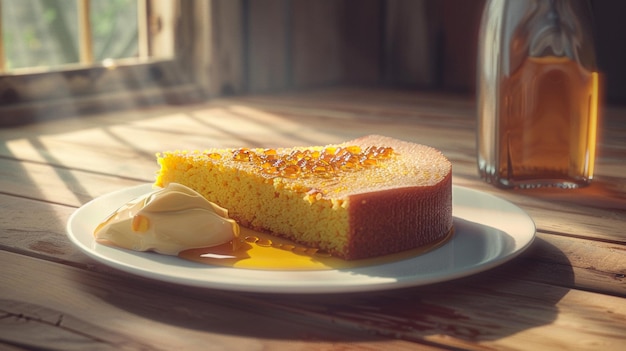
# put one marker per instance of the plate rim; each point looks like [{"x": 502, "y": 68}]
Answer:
[{"x": 312, "y": 282}]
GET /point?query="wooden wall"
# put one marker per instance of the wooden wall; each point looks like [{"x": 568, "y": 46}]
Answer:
[
  {"x": 226, "y": 47},
  {"x": 274, "y": 45},
  {"x": 259, "y": 46},
  {"x": 610, "y": 33}
]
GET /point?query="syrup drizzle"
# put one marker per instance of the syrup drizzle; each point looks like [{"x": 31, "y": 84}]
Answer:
[{"x": 266, "y": 252}]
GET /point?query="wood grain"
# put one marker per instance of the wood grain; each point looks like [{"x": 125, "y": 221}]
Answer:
[
  {"x": 69, "y": 307},
  {"x": 316, "y": 50},
  {"x": 362, "y": 34},
  {"x": 466, "y": 318},
  {"x": 97, "y": 145},
  {"x": 567, "y": 290},
  {"x": 411, "y": 52},
  {"x": 268, "y": 57},
  {"x": 458, "y": 314},
  {"x": 209, "y": 45},
  {"x": 589, "y": 265}
]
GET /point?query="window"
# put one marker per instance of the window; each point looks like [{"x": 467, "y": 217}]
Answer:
[
  {"x": 44, "y": 34},
  {"x": 67, "y": 57}
]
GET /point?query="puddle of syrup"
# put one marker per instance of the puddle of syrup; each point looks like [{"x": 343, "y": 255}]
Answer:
[{"x": 266, "y": 252}]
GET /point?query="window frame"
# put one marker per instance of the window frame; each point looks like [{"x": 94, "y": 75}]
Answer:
[{"x": 75, "y": 90}]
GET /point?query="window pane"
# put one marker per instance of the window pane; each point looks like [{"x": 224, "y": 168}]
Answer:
[
  {"x": 114, "y": 29},
  {"x": 39, "y": 33},
  {"x": 44, "y": 33}
]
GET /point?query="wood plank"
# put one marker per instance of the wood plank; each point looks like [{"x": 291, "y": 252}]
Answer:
[
  {"x": 57, "y": 185},
  {"x": 584, "y": 264},
  {"x": 132, "y": 139},
  {"x": 226, "y": 48},
  {"x": 609, "y": 30},
  {"x": 222, "y": 123},
  {"x": 316, "y": 43},
  {"x": 38, "y": 229},
  {"x": 481, "y": 312},
  {"x": 210, "y": 44},
  {"x": 37, "y": 327},
  {"x": 569, "y": 286},
  {"x": 597, "y": 211},
  {"x": 411, "y": 45},
  {"x": 362, "y": 33},
  {"x": 465, "y": 313},
  {"x": 268, "y": 60},
  {"x": 460, "y": 20},
  {"x": 118, "y": 311}
]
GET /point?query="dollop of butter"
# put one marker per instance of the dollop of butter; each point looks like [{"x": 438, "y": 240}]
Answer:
[{"x": 168, "y": 221}]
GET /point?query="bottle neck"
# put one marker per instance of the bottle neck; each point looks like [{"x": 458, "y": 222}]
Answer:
[{"x": 558, "y": 28}]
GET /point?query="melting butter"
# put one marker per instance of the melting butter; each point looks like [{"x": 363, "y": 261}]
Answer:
[{"x": 168, "y": 221}]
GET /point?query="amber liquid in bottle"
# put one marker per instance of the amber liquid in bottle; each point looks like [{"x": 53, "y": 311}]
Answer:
[{"x": 547, "y": 125}]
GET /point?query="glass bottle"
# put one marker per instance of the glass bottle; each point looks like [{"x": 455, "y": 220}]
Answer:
[{"x": 538, "y": 94}]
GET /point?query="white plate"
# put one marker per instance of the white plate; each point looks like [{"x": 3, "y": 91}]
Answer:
[{"x": 488, "y": 232}]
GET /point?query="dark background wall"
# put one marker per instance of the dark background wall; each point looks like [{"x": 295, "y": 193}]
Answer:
[{"x": 421, "y": 44}]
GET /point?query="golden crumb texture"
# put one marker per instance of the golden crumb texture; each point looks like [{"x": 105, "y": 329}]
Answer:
[{"x": 363, "y": 198}]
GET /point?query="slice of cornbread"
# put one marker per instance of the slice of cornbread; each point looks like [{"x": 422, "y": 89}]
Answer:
[{"x": 364, "y": 198}]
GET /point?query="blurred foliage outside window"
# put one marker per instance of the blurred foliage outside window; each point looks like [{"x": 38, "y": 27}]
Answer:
[{"x": 44, "y": 33}]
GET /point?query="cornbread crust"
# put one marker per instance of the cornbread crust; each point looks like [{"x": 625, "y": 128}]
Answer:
[{"x": 401, "y": 203}]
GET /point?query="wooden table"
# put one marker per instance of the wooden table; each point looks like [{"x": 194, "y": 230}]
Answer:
[{"x": 567, "y": 291}]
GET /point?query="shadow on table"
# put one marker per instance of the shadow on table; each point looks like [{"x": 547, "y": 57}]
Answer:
[{"x": 487, "y": 306}]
